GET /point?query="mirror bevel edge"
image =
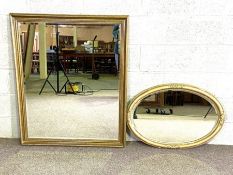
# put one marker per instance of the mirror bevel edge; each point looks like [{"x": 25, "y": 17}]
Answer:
[
  {"x": 15, "y": 18},
  {"x": 133, "y": 103}
]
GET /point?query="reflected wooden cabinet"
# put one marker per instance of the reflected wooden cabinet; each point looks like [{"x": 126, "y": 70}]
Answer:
[
  {"x": 171, "y": 98},
  {"x": 106, "y": 47},
  {"x": 66, "y": 41},
  {"x": 155, "y": 100}
]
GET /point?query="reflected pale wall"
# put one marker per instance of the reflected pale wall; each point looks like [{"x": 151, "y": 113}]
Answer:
[
  {"x": 104, "y": 33},
  {"x": 185, "y": 41}
]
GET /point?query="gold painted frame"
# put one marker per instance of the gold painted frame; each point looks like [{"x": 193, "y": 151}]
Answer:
[
  {"x": 15, "y": 19},
  {"x": 178, "y": 87}
]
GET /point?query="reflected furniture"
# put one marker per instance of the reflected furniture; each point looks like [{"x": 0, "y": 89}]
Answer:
[{"x": 98, "y": 61}]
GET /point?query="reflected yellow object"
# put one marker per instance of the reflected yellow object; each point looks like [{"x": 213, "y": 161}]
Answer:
[{"x": 73, "y": 88}]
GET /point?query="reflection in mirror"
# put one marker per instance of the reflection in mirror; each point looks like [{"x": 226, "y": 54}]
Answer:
[
  {"x": 62, "y": 113},
  {"x": 175, "y": 116},
  {"x": 73, "y": 80}
]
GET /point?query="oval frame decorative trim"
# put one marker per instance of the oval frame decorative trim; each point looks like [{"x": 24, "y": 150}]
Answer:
[{"x": 178, "y": 87}]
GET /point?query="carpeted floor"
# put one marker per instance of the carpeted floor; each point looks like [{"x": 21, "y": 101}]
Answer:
[
  {"x": 187, "y": 123},
  {"x": 73, "y": 116},
  {"x": 89, "y": 116},
  {"x": 135, "y": 158}
]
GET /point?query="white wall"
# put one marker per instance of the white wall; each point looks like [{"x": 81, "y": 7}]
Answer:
[{"x": 185, "y": 41}]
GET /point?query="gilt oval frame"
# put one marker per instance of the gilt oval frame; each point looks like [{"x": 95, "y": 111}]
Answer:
[{"x": 178, "y": 87}]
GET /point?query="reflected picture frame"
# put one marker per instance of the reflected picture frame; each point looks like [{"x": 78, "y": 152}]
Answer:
[
  {"x": 135, "y": 101},
  {"x": 15, "y": 19}
]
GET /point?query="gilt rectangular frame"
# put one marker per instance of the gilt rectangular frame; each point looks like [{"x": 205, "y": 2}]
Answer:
[{"x": 15, "y": 19}]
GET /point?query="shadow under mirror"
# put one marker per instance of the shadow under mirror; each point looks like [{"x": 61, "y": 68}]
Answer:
[
  {"x": 73, "y": 79},
  {"x": 175, "y": 116}
]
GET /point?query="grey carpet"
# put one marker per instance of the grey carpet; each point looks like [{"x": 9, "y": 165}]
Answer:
[
  {"x": 71, "y": 116},
  {"x": 135, "y": 158}
]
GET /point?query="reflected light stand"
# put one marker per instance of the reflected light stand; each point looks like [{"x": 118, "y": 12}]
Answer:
[{"x": 57, "y": 66}]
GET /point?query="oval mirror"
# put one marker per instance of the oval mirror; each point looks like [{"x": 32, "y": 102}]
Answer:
[{"x": 175, "y": 116}]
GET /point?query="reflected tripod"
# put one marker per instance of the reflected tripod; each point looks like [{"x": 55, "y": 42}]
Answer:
[{"x": 56, "y": 67}]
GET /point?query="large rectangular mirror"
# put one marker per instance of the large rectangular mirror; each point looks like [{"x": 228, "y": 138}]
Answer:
[{"x": 71, "y": 78}]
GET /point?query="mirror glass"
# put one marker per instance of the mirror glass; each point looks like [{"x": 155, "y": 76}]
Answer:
[
  {"x": 73, "y": 75},
  {"x": 173, "y": 117}
]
